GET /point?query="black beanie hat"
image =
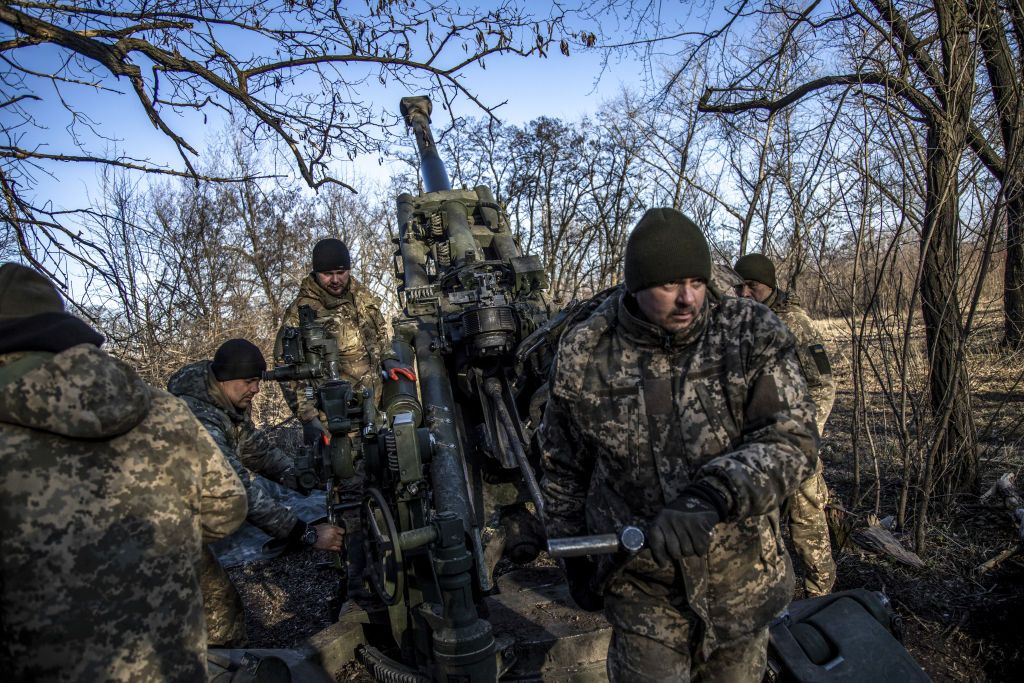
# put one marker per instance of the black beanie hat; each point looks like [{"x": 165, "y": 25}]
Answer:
[
  {"x": 665, "y": 246},
  {"x": 238, "y": 359},
  {"x": 330, "y": 254},
  {"x": 32, "y": 315},
  {"x": 24, "y": 292},
  {"x": 757, "y": 267}
]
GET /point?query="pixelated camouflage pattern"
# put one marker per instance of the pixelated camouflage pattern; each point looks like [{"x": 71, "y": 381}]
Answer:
[
  {"x": 354, "y": 319},
  {"x": 724, "y": 280},
  {"x": 652, "y": 637},
  {"x": 822, "y": 385},
  {"x": 637, "y": 415},
  {"x": 222, "y": 605},
  {"x": 108, "y": 491},
  {"x": 234, "y": 432},
  {"x": 808, "y": 525}
]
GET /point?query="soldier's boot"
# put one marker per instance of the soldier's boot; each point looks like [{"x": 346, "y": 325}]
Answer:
[
  {"x": 352, "y": 590},
  {"x": 524, "y": 535},
  {"x": 809, "y": 528}
]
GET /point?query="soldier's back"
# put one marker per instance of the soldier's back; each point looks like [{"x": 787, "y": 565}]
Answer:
[{"x": 102, "y": 490}]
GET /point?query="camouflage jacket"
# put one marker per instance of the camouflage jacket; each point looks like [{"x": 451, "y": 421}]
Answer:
[
  {"x": 810, "y": 351},
  {"x": 240, "y": 442},
  {"x": 355, "y": 321},
  {"x": 636, "y": 416},
  {"x": 108, "y": 490}
]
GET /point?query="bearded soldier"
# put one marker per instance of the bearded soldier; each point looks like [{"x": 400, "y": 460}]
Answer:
[
  {"x": 684, "y": 413},
  {"x": 108, "y": 491},
  {"x": 351, "y": 314},
  {"x": 219, "y": 393},
  {"x": 806, "y": 510}
]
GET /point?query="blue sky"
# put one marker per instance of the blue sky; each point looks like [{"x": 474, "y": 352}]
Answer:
[{"x": 558, "y": 86}]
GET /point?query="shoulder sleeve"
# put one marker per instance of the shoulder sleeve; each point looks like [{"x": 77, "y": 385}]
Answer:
[
  {"x": 258, "y": 454},
  {"x": 779, "y": 442},
  {"x": 381, "y": 328},
  {"x": 566, "y": 461},
  {"x": 815, "y": 361},
  {"x": 222, "y": 497},
  {"x": 262, "y": 511}
]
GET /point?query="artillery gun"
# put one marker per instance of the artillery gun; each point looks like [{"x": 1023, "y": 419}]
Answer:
[
  {"x": 450, "y": 480},
  {"x": 450, "y": 485}
]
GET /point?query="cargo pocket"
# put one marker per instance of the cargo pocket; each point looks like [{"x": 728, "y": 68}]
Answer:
[{"x": 723, "y": 426}]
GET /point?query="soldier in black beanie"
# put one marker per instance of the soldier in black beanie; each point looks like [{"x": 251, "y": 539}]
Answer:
[
  {"x": 220, "y": 393},
  {"x": 684, "y": 412},
  {"x": 758, "y": 273},
  {"x": 331, "y": 265},
  {"x": 667, "y": 268}
]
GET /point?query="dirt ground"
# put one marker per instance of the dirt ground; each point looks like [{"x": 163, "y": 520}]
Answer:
[{"x": 958, "y": 624}]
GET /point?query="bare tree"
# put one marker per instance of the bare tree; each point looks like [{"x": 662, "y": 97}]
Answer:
[
  {"x": 936, "y": 77},
  {"x": 292, "y": 74}
]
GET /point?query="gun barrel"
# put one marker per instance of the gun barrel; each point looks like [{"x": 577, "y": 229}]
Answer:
[{"x": 416, "y": 111}]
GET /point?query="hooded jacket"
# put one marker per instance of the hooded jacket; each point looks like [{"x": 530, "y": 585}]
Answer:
[
  {"x": 108, "y": 491},
  {"x": 239, "y": 441}
]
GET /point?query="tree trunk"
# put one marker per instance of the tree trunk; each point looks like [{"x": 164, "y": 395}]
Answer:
[
  {"x": 952, "y": 463},
  {"x": 1006, "y": 78},
  {"x": 1013, "y": 273}
]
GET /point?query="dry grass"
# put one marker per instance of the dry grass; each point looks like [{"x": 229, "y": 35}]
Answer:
[{"x": 961, "y": 626}]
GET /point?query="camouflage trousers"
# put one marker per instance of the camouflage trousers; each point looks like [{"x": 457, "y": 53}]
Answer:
[
  {"x": 225, "y": 616},
  {"x": 657, "y": 639},
  {"x": 809, "y": 530}
]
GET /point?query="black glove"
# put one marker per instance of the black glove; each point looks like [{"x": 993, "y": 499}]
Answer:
[
  {"x": 683, "y": 528},
  {"x": 580, "y": 574},
  {"x": 313, "y": 431}
]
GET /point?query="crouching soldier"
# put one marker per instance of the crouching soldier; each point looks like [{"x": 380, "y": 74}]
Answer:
[{"x": 220, "y": 393}]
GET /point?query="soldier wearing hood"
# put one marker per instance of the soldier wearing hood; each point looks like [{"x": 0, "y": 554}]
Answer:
[
  {"x": 806, "y": 510},
  {"x": 109, "y": 489},
  {"x": 684, "y": 413},
  {"x": 219, "y": 393}
]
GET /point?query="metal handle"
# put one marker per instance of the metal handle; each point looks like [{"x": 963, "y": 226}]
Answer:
[{"x": 630, "y": 539}]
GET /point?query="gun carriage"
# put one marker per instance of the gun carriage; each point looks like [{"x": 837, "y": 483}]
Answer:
[{"x": 450, "y": 484}]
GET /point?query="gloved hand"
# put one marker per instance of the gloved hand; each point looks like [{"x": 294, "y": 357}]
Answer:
[
  {"x": 313, "y": 431},
  {"x": 682, "y": 528},
  {"x": 579, "y": 574},
  {"x": 395, "y": 370}
]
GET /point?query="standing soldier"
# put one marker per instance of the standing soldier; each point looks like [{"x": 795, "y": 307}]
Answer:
[
  {"x": 686, "y": 414},
  {"x": 351, "y": 315},
  {"x": 108, "y": 491},
  {"x": 806, "y": 509},
  {"x": 219, "y": 393}
]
